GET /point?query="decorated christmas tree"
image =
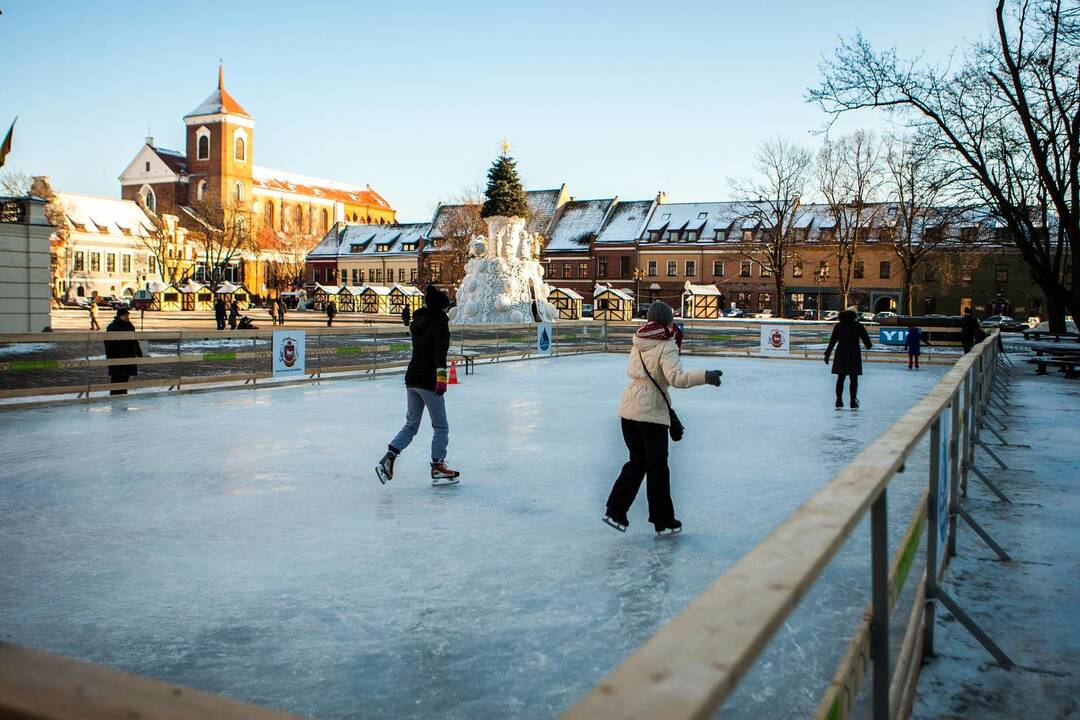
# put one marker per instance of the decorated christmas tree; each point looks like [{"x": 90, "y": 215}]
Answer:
[{"x": 504, "y": 194}]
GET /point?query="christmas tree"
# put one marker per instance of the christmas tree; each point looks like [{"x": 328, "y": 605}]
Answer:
[{"x": 504, "y": 194}]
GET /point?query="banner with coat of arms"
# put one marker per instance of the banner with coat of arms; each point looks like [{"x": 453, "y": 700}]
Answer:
[
  {"x": 288, "y": 352},
  {"x": 774, "y": 339}
]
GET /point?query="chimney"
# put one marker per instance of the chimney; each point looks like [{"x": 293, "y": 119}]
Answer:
[
  {"x": 150, "y": 140},
  {"x": 661, "y": 198}
]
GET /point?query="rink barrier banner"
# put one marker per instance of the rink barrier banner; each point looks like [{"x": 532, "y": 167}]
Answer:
[{"x": 691, "y": 665}]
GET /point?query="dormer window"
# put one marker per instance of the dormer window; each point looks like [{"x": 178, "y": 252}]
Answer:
[
  {"x": 354, "y": 248},
  {"x": 720, "y": 235},
  {"x": 691, "y": 235},
  {"x": 654, "y": 236},
  {"x": 382, "y": 247},
  {"x": 673, "y": 236}
]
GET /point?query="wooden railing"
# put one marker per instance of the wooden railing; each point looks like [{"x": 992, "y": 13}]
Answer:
[{"x": 688, "y": 668}]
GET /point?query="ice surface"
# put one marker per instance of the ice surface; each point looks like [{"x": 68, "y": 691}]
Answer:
[{"x": 239, "y": 542}]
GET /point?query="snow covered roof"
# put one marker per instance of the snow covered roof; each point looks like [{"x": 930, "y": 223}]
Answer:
[
  {"x": 329, "y": 290},
  {"x": 228, "y": 288},
  {"x": 327, "y": 247},
  {"x": 101, "y": 214},
  {"x": 191, "y": 287},
  {"x": 576, "y": 223},
  {"x": 706, "y": 218},
  {"x": 219, "y": 102},
  {"x": 351, "y": 289},
  {"x": 173, "y": 159},
  {"x": 377, "y": 289},
  {"x": 624, "y": 222},
  {"x": 542, "y": 207},
  {"x": 406, "y": 289},
  {"x": 284, "y": 181},
  {"x": 156, "y": 286},
  {"x": 701, "y": 289},
  {"x": 567, "y": 292},
  {"x": 380, "y": 239},
  {"x": 601, "y": 289}
]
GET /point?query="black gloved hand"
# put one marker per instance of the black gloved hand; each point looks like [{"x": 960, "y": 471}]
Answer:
[
  {"x": 826, "y": 359},
  {"x": 712, "y": 377}
]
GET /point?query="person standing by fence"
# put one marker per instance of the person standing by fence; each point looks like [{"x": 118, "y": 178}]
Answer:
[
  {"x": 846, "y": 335},
  {"x": 914, "y": 342},
  {"x": 331, "y": 312},
  {"x": 280, "y": 310},
  {"x": 219, "y": 312},
  {"x": 646, "y": 419},
  {"x": 121, "y": 349},
  {"x": 969, "y": 328},
  {"x": 234, "y": 314},
  {"x": 425, "y": 385}
]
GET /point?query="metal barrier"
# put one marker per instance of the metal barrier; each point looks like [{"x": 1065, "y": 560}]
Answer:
[{"x": 688, "y": 668}]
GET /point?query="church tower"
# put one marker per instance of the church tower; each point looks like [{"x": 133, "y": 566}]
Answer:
[{"x": 220, "y": 135}]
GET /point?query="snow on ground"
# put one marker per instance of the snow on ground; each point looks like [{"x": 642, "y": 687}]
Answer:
[
  {"x": 238, "y": 542},
  {"x": 1031, "y": 606}
]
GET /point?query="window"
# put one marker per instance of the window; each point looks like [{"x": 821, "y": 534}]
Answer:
[
  {"x": 652, "y": 268},
  {"x": 859, "y": 270},
  {"x": 742, "y": 299},
  {"x": 203, "y": 143},
  {"x": 110, "y": 262},
  {"x": 601, "y": 267},
  {"x": 324, "y": 221},
  {"x": 748, "y": 236},
  {"x": 827, "y": 235},
  {"x": 238, "y": 192},
  {"x": 691, "y": 235},
  {"x": 378, "y": 275},
  {"x": 823, "y": 269},
  {"x": 567, "y": 271},
  {"x": 401, "y": 275},
  {"x": 344, "y": 276},
  {"x": 354, "y": 248},
  {"x": 268, "y": 213},
  {"x": 744, "y": 268},
  {"x": 148, "y": 197},
  {"x": 721, "y": 236},
  {"x": 764, "y": 300},
  {"x": 624, "y": 267},
  {"x": 886, "y": 270},
  {"x": 673, "y": 236},
  {"x": 200, "y": 191},
  {"x": 412, "y": 275},
  {"x": 95, "y": 262},
  {"x": 371, "y": 275},
  {"x": 929, "y": 275},
  {"x": 125, "y": 263},
  {"x": 672, "y": 268},
  {"x": 583, "y": 270},
  {"x": 965, "y": 276},
  {"x": 436, "y": 272},
  {"x": 718, "y": 268},
  {"x": 239, "y": 149},
  {"x": 356, "y": 276},
  {"x": 1002, "y": 274},
  {"x": 80, "y": 260},
  {"x": 382, "y": 247},
  {"x": 152, "y": 262},
  {"x": 764, "y": 271},
  {"x": 654, "y": 236},
  {"x": 797, "y": 301},
  {"x": 796, "y": 268},
  {"x": 691, "y": 268}
]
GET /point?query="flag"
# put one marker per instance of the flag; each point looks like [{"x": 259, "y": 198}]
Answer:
[{"x": 5, "y": 147}]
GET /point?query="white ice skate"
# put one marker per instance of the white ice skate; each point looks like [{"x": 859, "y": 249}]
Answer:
[
  {"x": 442, "y": 475},
  {"x": 385, "y": 469}
]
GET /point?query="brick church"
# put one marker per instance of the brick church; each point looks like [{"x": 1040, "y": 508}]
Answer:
[{"x": 217, "y": 168}]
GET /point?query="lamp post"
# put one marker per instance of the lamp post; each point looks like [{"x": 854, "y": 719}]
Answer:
[
  {"x": 820, "y": 275},
  {"x": 638, "y": 275}
]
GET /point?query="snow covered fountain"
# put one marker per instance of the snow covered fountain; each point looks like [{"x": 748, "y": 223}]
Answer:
[{"x": 504, "y": 280}]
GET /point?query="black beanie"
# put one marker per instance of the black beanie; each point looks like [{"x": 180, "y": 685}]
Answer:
[{"x": 436, "y": 299}]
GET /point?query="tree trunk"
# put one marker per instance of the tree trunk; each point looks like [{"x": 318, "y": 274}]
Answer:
[
  {"x": 779, "y": 294},
  {"x": 1055, "y": 312}
]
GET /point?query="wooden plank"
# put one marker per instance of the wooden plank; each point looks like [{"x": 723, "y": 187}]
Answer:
[
  {"x": 687, "y": 668},
  {"x": 39, "y": 686}
]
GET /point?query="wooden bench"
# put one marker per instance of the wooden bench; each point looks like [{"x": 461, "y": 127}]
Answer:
[
  {"x": 467, "y": 360},
  {"x": 1038, "y": 335},
  {"x": 1068, "y": 364}
]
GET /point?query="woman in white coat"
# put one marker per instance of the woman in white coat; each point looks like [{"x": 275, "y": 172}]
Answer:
[{"x": 654, "y": 367}]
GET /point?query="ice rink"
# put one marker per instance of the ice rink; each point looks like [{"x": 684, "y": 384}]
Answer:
[{"x": 239, "y": 542}]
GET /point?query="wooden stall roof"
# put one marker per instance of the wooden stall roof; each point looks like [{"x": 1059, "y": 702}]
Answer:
[
  {"x": 376, "y": 289},
  {"x": 602, "y": 289},
  {"x": 567, "y": 292},
  {"x": 701, "y": 289},
  {"x": 407, "y": 290}
]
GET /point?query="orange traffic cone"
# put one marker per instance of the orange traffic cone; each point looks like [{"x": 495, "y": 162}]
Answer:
[{"x": 453, "y": 373}]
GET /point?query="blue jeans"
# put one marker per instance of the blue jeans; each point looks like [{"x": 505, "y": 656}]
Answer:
[{"x": 418, "y": 399}]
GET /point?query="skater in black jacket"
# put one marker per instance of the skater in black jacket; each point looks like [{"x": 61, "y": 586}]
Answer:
[
  {"x": 846, "y": 335},
  {"x": 969, "y": 329},
  {"x": 425, "y": 385},
  {"x": 121, "y": 349}
]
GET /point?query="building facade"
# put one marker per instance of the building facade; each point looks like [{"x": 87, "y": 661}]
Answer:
[{"x": 24, "y": 265}]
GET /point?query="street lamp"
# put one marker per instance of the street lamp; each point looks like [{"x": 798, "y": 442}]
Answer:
[
  {"x": 820, "y": 275},
  {"x": 638, "y": 275}
]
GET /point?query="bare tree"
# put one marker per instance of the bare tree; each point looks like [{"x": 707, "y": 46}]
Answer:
[
  {"x": 1008, "y": 116},
  {"x": 162, "y": 242},
  {"x": 919, "y": 188},
  {"x": 457, "y": 222},
  {"x": 850, "y": 178},
  {"x": 775, "y": 207},
  {"x": 284, "y": 253},
  {"x": 223, "y": 234},
  {"x": 15, "y": 183},
  {"x": 60, "y": 251}
]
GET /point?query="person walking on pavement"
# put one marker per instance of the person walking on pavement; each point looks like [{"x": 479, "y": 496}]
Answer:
[
  {"x": 93, "y": 314},
  {"x": 121, "y": 349},
  {"x": 406, "y": 316},
  {"x": 846, "y": 335},
  {"x": 646, "y": 419},
  {"x": 281, "y": 310},
  {"x": 969, "y": 328},
  {"x": 234, "y": 314},
  {"x": 219, "y": 312},
  {"x": 916, "y": 338},
  {"x": 425, "y": 386},
  {"x": 331, "y": 312}
]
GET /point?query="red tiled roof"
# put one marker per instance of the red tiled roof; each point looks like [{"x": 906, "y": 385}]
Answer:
[
  {"x": 175, "y": 161},
  {"x": 283, "y": 181}
]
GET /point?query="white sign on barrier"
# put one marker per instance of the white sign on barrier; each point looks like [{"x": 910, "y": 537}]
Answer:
[
  {"x": 543, "y": 339},
  {"x": 288, "y": 352},
  {"x": 774, "y": 340}
]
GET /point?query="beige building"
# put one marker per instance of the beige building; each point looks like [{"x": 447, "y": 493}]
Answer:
[
  {"x": 24, "y": 265},
  {"x": 369, "y": 255}
]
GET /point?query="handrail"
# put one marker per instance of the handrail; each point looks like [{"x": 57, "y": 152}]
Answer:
[{"x": 692, "y": 664}]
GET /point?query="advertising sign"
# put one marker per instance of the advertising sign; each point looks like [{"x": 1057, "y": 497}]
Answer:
[
  {"x": 775, "y": 339},
  {"x": 543, "y": 339},
  {"x": 288, "y": 352},
  {"x": 892, "y": 336}
]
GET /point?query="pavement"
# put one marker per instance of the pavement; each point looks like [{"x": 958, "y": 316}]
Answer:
[{"x": 71, "y": 319}]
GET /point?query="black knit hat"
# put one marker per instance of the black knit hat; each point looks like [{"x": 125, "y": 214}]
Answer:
[{"x": 436, "y": 299}]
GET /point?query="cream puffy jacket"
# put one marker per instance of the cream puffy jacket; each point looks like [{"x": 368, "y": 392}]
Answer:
[{"x": 640, "y": 400}]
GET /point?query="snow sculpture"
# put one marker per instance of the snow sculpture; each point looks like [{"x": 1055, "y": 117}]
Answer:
[{"x": 504, "y": 280}]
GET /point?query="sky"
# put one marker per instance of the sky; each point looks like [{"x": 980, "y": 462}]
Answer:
[{"x": 611, "y": 98}]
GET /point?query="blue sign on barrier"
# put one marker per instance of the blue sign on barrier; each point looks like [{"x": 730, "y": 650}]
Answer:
[{"x": 892, "y": 336}]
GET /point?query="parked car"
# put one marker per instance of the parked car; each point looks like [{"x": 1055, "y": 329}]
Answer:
[
  {"x": 804, "y": 315},
  {"x": 734, "y": 313},
  {"x": 642, "y": 310},
  {"x": 866, "y": 317},
  {"x": 586, "y": 309},
  {"x": 1004, "y": 323},
  {"x": 831, "y": 315},
  {"x": 883, "y": 316},
  {"x": 763, "y": 315}
]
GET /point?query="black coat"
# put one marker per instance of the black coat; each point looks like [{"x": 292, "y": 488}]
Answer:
[
  {"x": 846, "y": 335},
  {"x": 122, "y": 349},
  {"x": 430, "y": 331},
  {"x": 219, "y": 309},
  {"x": 969, "y": 328}
]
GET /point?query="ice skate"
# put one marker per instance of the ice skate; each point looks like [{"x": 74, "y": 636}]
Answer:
[
  {"x": 668, "y": 529},
  {"x": 442, "y": 475},
  {"x": 854, "y": 404},
  {"x": 385, "y": 468},
  {"x": 617, "y": 521},
  {"x": 839, "y": 404}
]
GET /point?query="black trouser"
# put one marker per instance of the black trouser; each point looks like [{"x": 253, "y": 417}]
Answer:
[
  {"x": 220, "y": 323},
  {"x": 119, "y": 379},
  {"x": 853, "y": 387},
  {"x": 968, "y": 343},
  {"x": 648, "y": 446}
]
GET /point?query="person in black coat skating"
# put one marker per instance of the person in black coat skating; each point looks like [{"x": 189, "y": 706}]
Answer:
[
  {"x": 969, "y": 328},
  {"x": 847, "y": 363},
  {"x": 121, "y": 349},
  {"x": 219, "y": 313}
]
